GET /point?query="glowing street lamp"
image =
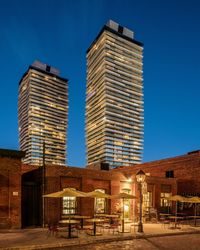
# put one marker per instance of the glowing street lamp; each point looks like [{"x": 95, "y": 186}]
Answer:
[{"x": 140, "y": 177}]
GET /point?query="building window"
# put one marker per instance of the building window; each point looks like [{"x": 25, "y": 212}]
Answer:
[
  {"x": 166, "y": 192},
  {"x": 164, "y": 199},
  {"x": 147, "y": 201},
  {"x": 100, "y": 203},
  {"x": 69, "y": 205},
  {"x": 169, "y": 174},
  {"x": 127, "y": 204}
]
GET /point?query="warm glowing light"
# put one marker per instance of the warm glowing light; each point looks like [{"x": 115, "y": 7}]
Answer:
[
  {"x": 126, "y": 208},
  {"x": 140, "y": 176}
]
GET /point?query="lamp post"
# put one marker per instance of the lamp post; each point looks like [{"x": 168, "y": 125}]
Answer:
[{"x": 140, "y": 177}]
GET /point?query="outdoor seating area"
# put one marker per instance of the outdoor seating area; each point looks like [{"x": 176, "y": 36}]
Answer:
[
  {"x": 59, "y": 235},
  {"x": 73, "y": 225},
  {"x": 100, "y": 227},
  {"x": 95, "y": 225},
  {"x": 173, "y": 221},
  {"x": 181, "y": 219},
  {"x": 41, "y": 236}
]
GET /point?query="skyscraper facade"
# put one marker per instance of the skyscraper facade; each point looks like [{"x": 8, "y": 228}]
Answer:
[
  {"x": 43, "y": 115},
  {"x": 114, "y": 98}
]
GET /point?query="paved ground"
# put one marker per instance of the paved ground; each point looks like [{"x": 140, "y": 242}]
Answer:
[
  {"x": 38, "y": 238},
  {"x": 178, "y": 242}
]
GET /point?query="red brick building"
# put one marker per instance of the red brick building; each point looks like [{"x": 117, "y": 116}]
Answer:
[
  {"x": 111, "y": 182},
  {"x": 21, "y": 188},
  {"x": 185, "y": 169},
  {"x": 10, "y": 188}
]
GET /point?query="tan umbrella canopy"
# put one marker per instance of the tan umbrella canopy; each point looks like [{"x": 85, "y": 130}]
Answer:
[
  {"x": 195, "y": 200},
  {"x": 123, "y": 196},
  {"x": 97, "y": 194},
  {"x": 177, "y": 198},
  {"x": 67, "y": 192}
]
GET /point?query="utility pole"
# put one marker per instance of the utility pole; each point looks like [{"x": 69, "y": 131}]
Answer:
[{"x": 43, "y": 186}]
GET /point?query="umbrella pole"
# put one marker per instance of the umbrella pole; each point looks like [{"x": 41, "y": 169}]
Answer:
[
  {"x": 176, "y": 213},
  {"x": 195, "y": 214}
]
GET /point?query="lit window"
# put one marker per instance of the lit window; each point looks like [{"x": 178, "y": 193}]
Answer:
[
  {"x": 100, "y": 203},
  {"x": 126, "y": 137},
  {"x": 164, "y": 199},
  {"x": 69, "y": 205}
]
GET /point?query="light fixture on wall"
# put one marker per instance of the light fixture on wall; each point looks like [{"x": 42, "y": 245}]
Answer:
[{"x": 128, "y": 177}]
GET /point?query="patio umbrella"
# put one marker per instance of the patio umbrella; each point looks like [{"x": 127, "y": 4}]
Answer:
[
  {"x": 97, "y": 194},
  {"x": 195, "y": 200},
  {"x": 123, "y": 196},
  {"x": 66, "y": 192},
  {"x": 177, "y": 198}
]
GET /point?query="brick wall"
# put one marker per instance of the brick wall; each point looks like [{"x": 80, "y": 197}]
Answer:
[
  {"x": 113, "y": 182},
  {"x": 186, "y": 171},
  {"x": 85, "y": 180},
  {"x": 10, "y": 193}
]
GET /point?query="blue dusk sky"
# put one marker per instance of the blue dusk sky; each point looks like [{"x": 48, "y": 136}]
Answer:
[{"x": 58, "y": 32}]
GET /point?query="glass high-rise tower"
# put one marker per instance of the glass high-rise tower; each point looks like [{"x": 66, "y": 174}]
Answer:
[
  {"x": 43, "y": 115},
  {"x": 114, "y": 98}
]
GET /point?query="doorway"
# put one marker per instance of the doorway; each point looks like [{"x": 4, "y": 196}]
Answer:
[{"x": 31, "y": 205}]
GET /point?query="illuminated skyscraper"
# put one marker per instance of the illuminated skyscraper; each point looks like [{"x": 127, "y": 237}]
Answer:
[
  {"x": 114, "y": 101},
  {"x": 43, "y": 115}
]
